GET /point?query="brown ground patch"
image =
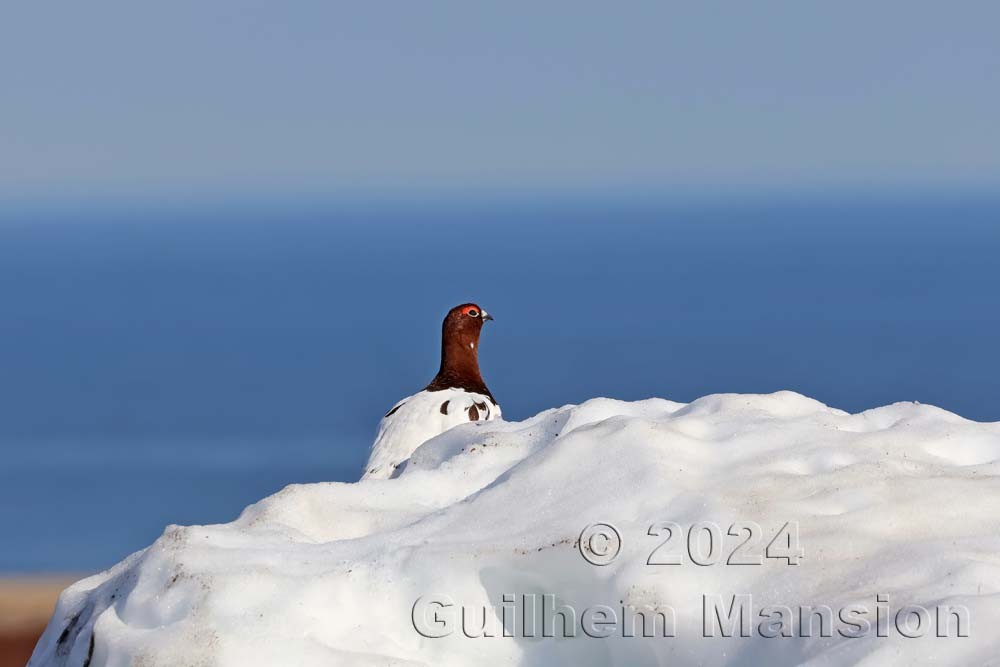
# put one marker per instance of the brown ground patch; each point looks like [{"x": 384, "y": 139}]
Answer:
[
  {"x": 16, "y": 647},
  {"x": 26, "y": 603}
]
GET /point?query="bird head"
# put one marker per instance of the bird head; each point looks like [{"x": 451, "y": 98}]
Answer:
[
  {"x": 463, "y": 323},
  {"x": 467, "y": 318}
]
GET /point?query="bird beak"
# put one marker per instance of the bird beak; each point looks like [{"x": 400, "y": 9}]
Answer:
[{"x": 486, "y": 316}]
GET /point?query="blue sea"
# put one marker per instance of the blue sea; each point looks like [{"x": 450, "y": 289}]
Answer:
[{"x": 172, "y": 363}]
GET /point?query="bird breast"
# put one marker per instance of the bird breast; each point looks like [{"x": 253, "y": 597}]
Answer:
[{"x": 415, "y": 420}]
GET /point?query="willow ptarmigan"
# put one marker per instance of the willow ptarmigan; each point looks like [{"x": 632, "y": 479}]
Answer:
[{"x": 456, "y": 395}]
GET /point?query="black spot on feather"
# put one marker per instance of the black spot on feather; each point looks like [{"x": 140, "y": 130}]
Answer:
[{"x": 90, "y": 651}]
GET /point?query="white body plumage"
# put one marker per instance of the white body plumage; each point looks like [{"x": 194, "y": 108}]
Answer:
[{"x": 418, "y": 418}]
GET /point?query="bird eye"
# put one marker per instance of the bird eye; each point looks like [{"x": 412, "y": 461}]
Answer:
[{"x": 473, "y": 313}]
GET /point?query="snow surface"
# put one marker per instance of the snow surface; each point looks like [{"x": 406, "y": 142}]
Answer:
[{"x": 901, "y": 501}]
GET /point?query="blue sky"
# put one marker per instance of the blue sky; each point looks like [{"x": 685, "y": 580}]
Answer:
[{"x": 231, "y": 98}]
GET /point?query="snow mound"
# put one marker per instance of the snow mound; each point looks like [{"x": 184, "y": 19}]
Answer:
[{"x": 890, "y": 517}]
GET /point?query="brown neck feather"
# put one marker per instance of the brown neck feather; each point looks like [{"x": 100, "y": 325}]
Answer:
[{"x": 459, "y": 361}]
